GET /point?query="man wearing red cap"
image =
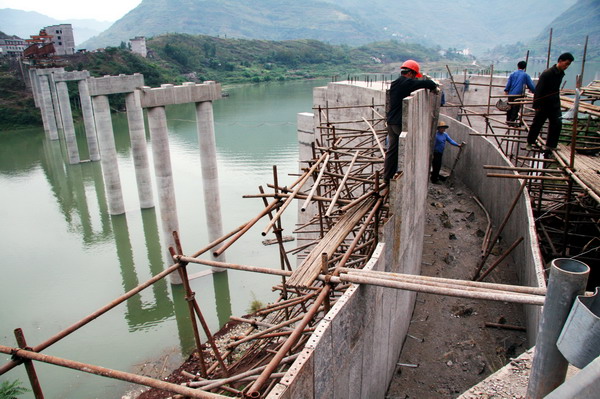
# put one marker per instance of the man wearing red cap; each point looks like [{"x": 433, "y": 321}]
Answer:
[{"x": 399, "y": 90}]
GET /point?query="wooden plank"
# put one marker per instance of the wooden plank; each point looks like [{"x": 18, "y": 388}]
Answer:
[{"x": 587, "y": 168}]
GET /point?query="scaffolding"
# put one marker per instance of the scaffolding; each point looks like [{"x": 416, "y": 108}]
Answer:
[
  {"x": 340, "y": 187},
  {"x": 563, "y": 183}
]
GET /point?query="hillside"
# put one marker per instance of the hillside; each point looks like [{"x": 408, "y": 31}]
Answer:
[
  {"x": 458, "y": 24},
  {"x": 570, "y": 29},
  {"x": 178, "y": 58},
  {"x": 568, "y": 34}
]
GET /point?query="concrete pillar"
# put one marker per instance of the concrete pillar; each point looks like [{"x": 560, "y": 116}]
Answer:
[
  {"x": 210, "y": 172},
  {"x": 139, "y": 147},
  {"x": 157, "y": 122},
  {"x": 67, "y": 117},
  {"x": 35, "y": 87},
  {"x": 110, "y": 167},
  {"x": 568, "y": 278},
  {"x": 54, "y": 96},
  {"x": 47, "y": 109},
  {"x": 88, "y": 120}
]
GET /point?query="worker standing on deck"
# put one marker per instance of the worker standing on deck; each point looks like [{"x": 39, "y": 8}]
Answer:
[
  {"x": 441, "y": 137},
  {"x": 515, "y": 89},
  {"x": 399, "y": 90},
  {"x": 546, "y": 103}
]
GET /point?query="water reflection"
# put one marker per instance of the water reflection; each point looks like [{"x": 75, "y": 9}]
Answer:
[
  {"x": 58, "y": 215},
  {"x": 221, "y": 284},
  {"x": 68, "y": 185},
  {"x": 141, "y": 315}
]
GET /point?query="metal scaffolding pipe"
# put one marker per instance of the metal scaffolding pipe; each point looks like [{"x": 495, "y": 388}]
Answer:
[
  {"x": 456, "y": 292},
  {"x": 584, "y": 384},
  {"x": 105, "y": 372},
  {"x": 568, "y": 278},
  {"x": 74, "y": 327}
]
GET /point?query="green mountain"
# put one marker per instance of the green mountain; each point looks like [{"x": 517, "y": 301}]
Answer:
[
  {"x": 569, "y": 31},
  {"x": 461, "y": 24}
]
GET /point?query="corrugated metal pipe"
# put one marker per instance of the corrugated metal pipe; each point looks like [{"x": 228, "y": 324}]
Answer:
[{"x": 568, "y": 278}]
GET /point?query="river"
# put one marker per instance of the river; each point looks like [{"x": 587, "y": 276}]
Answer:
[{"x": 64, "y": 257}]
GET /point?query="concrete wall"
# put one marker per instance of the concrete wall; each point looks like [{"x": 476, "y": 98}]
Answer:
[
  {"x": 353, "y": 352},
  {"x": 497, "y": 195}
]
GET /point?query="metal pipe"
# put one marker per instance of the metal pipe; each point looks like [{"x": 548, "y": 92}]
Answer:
[
  {"x": 207, "y": 385},
  {"x": 500, "y": 229},
  {"x": 74, "y": 327},
  {"x": 584, "y": 384},
  {"x": 415, "y": 278},
  {"x": 501, "y": 258},
  {"x": 289, "y": 343},
  {"x": 29, "y": 367},
  {"x": 110, "y": 373},
  {"x": 456, "y": 292},
  {"x": 568, "y": 278}
]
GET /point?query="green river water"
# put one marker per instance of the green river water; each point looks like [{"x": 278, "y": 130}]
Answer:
[{"x": 63, "y": 256}]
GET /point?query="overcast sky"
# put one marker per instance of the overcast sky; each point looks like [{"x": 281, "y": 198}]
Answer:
[{"x": 103, "y": 10}]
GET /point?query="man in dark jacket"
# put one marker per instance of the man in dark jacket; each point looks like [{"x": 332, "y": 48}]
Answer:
[
  {"x": 546, "y": 103},
  {"x": 399, "y": 90}
]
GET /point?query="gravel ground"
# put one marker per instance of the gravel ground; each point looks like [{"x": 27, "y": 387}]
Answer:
[{"x": 449, "y": 349}]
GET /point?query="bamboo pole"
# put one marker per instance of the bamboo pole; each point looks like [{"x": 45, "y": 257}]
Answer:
[
  {"x": 287, "y": 202},
  {"x": 247, "y": 227},
  {"x": 316, "y": 183},
  {"x": 340, "y": 187},
  {"x": 375, "y": 136}
]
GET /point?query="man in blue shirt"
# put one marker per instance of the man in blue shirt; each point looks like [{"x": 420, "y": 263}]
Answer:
[
  {"x": 515, "y": 89},
  {"x": 438, "y": 151}
]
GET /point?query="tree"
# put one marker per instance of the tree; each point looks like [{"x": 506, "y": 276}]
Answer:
[{"x": 11, "y": 390}]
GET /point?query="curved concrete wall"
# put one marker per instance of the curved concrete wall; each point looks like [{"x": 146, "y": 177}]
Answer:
[
  {"x": 353, "y": 351},
  {"x": 497, "y": 195}
]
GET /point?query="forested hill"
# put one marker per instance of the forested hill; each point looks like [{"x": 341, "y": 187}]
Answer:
[
  {"x": 569, "y": 32},
  {"x": 458, "y": 24},
  {"x": 177, "y": 58},
  {"x": 570, "y": 29}
]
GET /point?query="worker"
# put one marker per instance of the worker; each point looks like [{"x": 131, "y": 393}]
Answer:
[
  {"x": 399, "y": 90},
  {"x": 441, "y": 137},
  {"x": 546, "y": 102},
  {"x": 515, "y": 90}
]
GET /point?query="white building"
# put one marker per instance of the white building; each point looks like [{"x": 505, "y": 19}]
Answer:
[
  {"x": 62, "y": 38},
  {"x": 138, "y": 45},
  {"x": 12, "y": 47}
]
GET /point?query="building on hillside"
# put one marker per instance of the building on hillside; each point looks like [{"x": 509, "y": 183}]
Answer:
[
  {"x": 12, "y": 47},
  {"x": 62, "y": 38},
  {"x": 138, "y": 45}
]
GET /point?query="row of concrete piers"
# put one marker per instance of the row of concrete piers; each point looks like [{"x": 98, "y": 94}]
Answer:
[{"x": 52, "y": 97}]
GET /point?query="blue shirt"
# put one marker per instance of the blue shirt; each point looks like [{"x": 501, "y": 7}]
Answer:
[
  {"x": 440, "y": 141},
  {"x": 517, "y": 80}
]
